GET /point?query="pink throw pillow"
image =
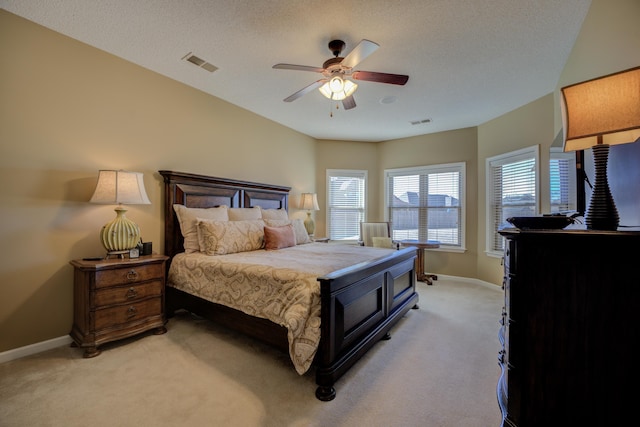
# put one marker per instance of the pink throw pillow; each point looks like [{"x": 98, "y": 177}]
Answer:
[{"x": 279, "y": 237}]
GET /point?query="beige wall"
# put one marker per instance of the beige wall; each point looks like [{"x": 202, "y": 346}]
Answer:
[
  {"x": 531, "y": 125},
  {"x": 68, "y": 110}
]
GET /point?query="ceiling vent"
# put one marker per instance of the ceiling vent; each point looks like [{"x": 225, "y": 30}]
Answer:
[{"x": 200, "y": 62}]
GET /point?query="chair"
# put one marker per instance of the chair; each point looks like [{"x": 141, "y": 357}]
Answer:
[{"x": 376, "y": 234}]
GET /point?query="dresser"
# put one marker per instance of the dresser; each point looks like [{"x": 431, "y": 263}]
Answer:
[
  {"x": 117, "y": 298},
  {"x": 569, "y": 328}
]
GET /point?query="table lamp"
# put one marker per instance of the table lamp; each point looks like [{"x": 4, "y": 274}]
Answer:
[
  {"x": 309, "y": 201},
  {"x": 124, "y": 188},
  {"x": 598, "y": 113}
]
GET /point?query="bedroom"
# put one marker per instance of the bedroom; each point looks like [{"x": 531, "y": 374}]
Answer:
[{"x": 69, "y": 109}]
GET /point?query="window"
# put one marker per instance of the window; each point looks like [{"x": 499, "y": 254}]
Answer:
[
  {"x": 346, "y": 191},
  {"x": 512, "y": 183},
  {"x": 427, "y": 203},
  {"x": 562, "y": 170}
]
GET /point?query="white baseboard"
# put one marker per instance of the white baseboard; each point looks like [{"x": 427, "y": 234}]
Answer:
[{"x": 39, "y": 347}]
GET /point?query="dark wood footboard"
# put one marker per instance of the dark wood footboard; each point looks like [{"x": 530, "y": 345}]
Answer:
[{"x": 360, "y": 304}]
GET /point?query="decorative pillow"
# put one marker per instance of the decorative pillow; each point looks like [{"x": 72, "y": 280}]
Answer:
[
  {"x": 279, "y": 237},
  {"x": 229, "y": 237},
  {"x": 275, "y": 214},
  {"x": 187, "y": 217},
  {"x": 382, "y": 242},
  {"x": 244, "y": 214},
  {"x": 299, "y": 230}
]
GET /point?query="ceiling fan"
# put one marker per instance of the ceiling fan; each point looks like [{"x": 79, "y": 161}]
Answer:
[{"x": 338, "y": 73}]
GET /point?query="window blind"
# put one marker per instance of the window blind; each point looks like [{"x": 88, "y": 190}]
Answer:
[
  {"x": 425, "y": 203},
  {"x": 346, "y": 191}
]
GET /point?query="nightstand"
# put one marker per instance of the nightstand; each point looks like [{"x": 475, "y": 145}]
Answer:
[{"x": 115, "y": 299}]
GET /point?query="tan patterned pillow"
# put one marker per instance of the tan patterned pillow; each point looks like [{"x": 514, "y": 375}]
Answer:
[
  {"x": 187, "y": 217},
  {"x": 299, "y": 230},
  {"x": 244, "y": 214},
  {"x": 276, "y": 214},
  {"x": 229, "y": 237}
]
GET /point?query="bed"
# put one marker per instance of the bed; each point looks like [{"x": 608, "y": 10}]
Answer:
[{"x": 352, "y": 306}]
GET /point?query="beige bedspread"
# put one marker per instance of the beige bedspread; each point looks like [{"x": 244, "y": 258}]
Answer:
[{"x": 279, "y": 285}]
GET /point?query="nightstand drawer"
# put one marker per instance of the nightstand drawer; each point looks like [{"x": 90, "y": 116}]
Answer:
[
  {"x": 132, "y": 274},
  {"x": 123, "y": 294},
  {"x": 122, "y": 314}
]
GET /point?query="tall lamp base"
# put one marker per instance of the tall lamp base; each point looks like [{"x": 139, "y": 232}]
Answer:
[
  {"x": 309, "y": 225},
  {"x": 602, "y": 213}
]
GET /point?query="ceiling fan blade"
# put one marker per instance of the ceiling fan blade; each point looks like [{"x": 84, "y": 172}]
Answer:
[
  {"x": 372, "y": 76},
  {"x": 305, "y": 90},
  {"x": 298, "y": 67},
  {"x": 359, "y": 53},
  {"x": 349, "y": 103}
]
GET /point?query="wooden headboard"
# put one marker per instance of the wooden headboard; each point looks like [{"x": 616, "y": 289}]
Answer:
[{"x": 200, "y": 191}]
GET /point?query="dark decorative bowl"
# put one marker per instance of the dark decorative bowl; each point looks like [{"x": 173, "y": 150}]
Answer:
[{"x": 546, "y": 222}]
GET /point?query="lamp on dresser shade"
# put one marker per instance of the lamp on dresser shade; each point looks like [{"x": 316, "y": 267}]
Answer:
[
  {"x": 596, "y": 114},
  {"x": 122, "y": 188},
  {"x": 309, "y": 202}
]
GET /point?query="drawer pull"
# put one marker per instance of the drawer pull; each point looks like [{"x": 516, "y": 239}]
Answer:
[
  {"x": 132, "y": 275},
  {"x": 131, "y": 293},
  {"x": 131, "y": 312}
]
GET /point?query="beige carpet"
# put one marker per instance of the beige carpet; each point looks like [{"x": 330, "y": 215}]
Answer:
[{"x": 439, "y": 369}]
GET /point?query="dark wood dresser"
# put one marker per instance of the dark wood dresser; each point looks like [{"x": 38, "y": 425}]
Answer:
[
  {"x": 569, "y": 328},
  {"x": 117, "y": 298}
]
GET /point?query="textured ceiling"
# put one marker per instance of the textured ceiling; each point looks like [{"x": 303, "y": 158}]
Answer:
[{"x": 469, "y": 61}]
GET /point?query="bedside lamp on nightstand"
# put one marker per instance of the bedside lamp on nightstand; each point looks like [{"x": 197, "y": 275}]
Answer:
[{"x": 124, "y": 188}]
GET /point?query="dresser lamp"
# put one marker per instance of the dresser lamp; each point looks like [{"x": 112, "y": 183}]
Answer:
[
  {"x": 122, "y": 188},
  {"x": 309, "y": 202},
  {"x": 596, "y": 114}
]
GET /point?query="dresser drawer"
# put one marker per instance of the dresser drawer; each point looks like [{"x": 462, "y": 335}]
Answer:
[
  {"x": 122, "y": 294},
  {"x": 129, "y": 274},
  {"x": 123, "y": 314}
]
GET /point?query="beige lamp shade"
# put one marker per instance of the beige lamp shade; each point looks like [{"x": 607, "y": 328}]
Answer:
[
  {"x": 122, "y": 188},
  {"x": 607, "y": 107},
  {"x": 309, "y": 202},
  {"x": 596, "y": 114}
]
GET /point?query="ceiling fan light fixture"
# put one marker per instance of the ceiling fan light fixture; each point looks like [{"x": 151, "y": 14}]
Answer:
[{"x": 338, "y": 89}]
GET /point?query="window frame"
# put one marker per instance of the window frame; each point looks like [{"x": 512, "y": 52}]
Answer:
[
  {"x": 501, "y": 160},
  {"x": 557, "y": 154},
  {"x": 353, "y": 173},
  {"x": 460, "y": 168}
]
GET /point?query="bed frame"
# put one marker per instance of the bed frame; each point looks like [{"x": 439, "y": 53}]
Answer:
[{"x": 360, "y": 304}]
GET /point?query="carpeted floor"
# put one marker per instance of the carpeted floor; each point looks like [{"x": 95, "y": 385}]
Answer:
[{"x": 439, "y": 369}]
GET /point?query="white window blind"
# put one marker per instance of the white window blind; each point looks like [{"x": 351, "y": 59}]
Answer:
[
  {"x": 512, "y": 183},
  {"x": 346, "y": 191},
  {"x": 562, "y": 171},
  {"x": 426, "y": 203}
]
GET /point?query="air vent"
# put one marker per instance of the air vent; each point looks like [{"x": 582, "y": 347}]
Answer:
[
  {"x": 420, "y": 122},
  {"x": 200, "y": 62}
]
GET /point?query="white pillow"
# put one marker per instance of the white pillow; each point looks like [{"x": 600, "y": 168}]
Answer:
[
  {"x": 244, "y": 214},
  {"x": 299, "y": 229},
  {"x": 275, "y": 214},
  {"x": 229, "y": 237},
  {"x": 187, "y": 217}
]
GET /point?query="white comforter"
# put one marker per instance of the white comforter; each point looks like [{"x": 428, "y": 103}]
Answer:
[{"x": 279, "y": 285}]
